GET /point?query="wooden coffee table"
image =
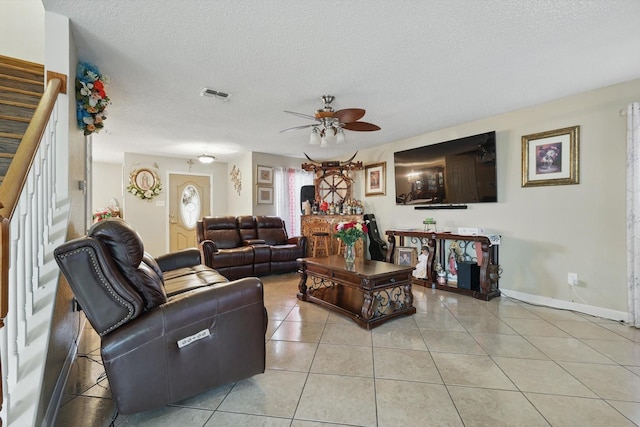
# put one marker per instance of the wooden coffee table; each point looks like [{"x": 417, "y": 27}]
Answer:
[{"x": 370, "y": 292}]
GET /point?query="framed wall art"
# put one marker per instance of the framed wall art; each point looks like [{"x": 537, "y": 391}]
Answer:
[
  {"x": 264, "y": 195},
  {"x": 375, "y": 179},
  {"x": 551, "y": 158},
  {"x": 406, "y": 256},
  {"x": 144, "y": 183},
  {"x": 265, "y": 175}
]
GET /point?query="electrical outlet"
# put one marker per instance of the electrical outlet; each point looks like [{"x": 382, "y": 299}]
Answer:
[{"x": 572, "y": 279}]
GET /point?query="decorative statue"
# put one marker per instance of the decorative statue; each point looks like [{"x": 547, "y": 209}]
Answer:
[
  {"x": 420, "y": 271},
  {"x": 452, "y": 260}
]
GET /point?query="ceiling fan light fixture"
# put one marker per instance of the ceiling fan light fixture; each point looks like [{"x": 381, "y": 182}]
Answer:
[
  {"x": 330, "y": 135},
  {"x": 323, "y": 141},
  {"x": 314, "y": 139},
  {"x": 340, "y": 139},
  {"x": 206, "y": 158}
]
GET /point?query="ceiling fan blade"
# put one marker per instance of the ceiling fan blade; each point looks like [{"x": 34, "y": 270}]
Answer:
[
  {"x": 297, "y": 127},
  {"x": 349, "y": 115},
  {"x": 304, "y": 116},
  {"x": 361, "y": 126}
]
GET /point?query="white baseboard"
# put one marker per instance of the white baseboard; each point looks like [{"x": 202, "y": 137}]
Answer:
[
  {"x": 618, "y": 316},
  {"x": 51, "y": 413}
]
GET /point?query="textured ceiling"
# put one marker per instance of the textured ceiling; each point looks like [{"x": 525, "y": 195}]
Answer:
[{"x": 415, "y": 66}]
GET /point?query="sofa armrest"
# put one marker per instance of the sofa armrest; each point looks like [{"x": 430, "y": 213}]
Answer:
[
  {"x": 180, "y": 259},
  {"x": 207, "y": 249},
  {"x": 223, "y": 327},
  {"x": 297, "y": 240},
  {"x": 251, "y": 242}
]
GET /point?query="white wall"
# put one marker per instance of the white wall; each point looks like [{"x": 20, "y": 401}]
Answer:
[
  {"x": 107, "y": 186},
  {"x": 546, "y": 231},
  {"x": 241, "y": 203},
  {"x": 270, "y": 160},
  {"x": 150, "y": 217},
  {"x": 22, "y": 38}
]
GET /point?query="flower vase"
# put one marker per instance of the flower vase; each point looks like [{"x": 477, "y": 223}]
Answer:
[{"x": 349, "y": 253}]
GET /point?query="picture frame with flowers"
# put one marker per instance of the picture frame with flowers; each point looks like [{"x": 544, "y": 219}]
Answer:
[
  {"x": 144, "y": 183},
  {"x": 551, "y": 157}
]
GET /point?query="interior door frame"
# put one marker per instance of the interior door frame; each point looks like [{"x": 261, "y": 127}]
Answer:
[{"x": 167, "y": 206}]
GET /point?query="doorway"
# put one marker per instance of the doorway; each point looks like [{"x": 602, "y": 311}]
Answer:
[{"x": 189, "y": 201}]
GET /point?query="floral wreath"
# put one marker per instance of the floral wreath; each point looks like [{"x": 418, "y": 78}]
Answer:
[
  {"x": 91, "y": 98},
  {"x": 145, "y": 191}
]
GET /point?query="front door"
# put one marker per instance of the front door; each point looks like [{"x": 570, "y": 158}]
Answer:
[{"x": 189, "y": 201}]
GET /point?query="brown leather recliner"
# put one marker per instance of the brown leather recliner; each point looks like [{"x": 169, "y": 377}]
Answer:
[
  {"x": 170, "y": 329},
  {"x": 249, "y": 245}
]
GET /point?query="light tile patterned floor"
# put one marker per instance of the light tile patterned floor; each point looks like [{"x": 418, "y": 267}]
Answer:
[{"x": 457, "y": 361}]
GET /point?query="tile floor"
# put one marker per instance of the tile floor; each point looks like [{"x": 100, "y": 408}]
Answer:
[{"x": 458, "y": 361}]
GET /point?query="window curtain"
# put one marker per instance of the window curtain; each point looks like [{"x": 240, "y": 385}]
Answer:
[
  {"x": 287, "y": 184},
  {"x": 633, "y": 212}
]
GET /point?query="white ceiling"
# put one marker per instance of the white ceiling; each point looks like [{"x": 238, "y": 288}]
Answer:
[{"x": 415, "y": 66}]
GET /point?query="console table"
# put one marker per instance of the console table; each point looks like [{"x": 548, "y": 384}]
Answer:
[{"x": 435, "y": 242}]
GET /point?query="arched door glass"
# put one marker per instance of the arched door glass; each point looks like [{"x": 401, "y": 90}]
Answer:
[{"x": 190, "y": 206}]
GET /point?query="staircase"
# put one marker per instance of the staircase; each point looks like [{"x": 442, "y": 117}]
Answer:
[
  {"x": 33, "y": 221},
  {"x": 21, "y": 87}
]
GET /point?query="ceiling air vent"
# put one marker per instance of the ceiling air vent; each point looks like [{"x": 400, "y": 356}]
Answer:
[{"x": 215, "y": 94}]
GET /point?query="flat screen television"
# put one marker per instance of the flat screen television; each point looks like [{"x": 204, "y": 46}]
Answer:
[{"x": 459, "y": 171}]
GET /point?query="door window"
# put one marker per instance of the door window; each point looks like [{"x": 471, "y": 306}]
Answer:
[{"x": 190, "y": 206}]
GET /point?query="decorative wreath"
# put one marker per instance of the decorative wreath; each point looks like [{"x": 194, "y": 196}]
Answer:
[
  {"x": 144, "y": 183},
  {"x": 91, "y": 98}
]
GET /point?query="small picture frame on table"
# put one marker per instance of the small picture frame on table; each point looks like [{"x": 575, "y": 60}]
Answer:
[{"x": 406, "y": 256}]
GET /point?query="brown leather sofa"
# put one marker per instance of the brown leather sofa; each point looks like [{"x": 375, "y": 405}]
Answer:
[
  {"x": 170, "y": 327},
  {"x": 249, "y": 245}
]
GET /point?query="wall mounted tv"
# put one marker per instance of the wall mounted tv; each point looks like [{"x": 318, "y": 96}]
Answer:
[{"x": 454, "y": 172}]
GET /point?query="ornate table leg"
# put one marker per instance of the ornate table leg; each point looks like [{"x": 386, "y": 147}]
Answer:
[
  {"x": 408, "y": 295},
  {"x": 367, "y": 306},
  {"x": 302, "y": 285}
]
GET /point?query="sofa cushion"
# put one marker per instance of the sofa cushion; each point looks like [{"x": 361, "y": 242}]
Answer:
[
  {"x": 272, "y": 230},
  {"x": 223, "y": 230},
  {"x": 233, "y": 257},
  {"x": 127, "y": 250},
  {"x": 188, "y": 278},
  {"x": 247, "y": 227},
  {"x": 285, "y": 253}
]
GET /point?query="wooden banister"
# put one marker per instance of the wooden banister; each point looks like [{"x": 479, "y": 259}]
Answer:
[
  {"x": 17, "y": 173},
  {"x": 13, "y": 184}
]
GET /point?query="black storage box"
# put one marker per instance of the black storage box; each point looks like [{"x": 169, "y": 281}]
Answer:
[{"x": 468, "y": 275}]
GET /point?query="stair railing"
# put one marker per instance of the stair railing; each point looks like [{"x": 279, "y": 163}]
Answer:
[{"x": 26, "y": 202}]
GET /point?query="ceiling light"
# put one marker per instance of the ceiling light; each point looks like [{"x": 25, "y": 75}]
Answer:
[
  {"x": 206, "y": 158},
  {"x": 314, "y": 139}
]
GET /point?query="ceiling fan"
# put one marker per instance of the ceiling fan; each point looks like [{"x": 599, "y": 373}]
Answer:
[{"x": 330, "y": 124}]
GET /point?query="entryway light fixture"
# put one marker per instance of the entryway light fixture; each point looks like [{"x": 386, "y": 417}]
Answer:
[{"x": 206, "y": 158}]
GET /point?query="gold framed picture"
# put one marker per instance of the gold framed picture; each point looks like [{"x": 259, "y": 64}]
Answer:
[
  {"x": 551, "y": 158},
  {"x": 375, "y": 179},
  {"x": 406, "y": 256},
  {"x": 265, "y": 175},
  {"x": 264, "y": 195}
]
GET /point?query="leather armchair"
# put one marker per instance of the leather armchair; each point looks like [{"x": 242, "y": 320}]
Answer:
[
  {"x": 170, "y": 328},
  {"x": 284, "y": 250}
]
